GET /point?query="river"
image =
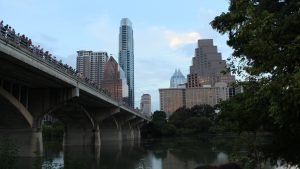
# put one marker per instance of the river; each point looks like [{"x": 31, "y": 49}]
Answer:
[{"x": 172, "y": 153}]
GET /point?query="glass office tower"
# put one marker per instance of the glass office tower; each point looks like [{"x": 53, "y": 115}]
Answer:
[{"x": 126, "y": 56}]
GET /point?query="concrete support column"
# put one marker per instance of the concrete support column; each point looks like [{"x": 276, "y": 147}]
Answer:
[
  {"x": 29, "y": 142},
  {"x": 110, "y": 134},
  {"x": 127, "y": 132},
  {"x": 137, "y": 133},
  {"x": 81, "y": 136},
  {"x": 110, "y": 130}
]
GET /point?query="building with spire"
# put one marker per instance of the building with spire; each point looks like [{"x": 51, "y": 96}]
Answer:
[
  {"x": 177, "y": 80},
  {"x": 126, "y": 56}
]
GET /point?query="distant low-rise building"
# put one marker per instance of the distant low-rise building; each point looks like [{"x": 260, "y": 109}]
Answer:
[
  {"x": 171, "y": 99},
  {"x": 206, "y": 95}
]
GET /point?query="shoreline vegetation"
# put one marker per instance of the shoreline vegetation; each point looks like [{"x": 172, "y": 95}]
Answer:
[{"x": 266, "y": 142}]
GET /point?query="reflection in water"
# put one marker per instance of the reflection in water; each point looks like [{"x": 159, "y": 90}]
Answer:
[
  {"x": 222, "y": 158},
  {"x": 154, "y": 154}
]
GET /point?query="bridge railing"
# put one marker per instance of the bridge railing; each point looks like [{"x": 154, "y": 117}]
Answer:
[{"x": 22, "y": 43}]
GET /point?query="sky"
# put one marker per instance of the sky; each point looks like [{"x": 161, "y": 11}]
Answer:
[{"x": 165, "y": 32}]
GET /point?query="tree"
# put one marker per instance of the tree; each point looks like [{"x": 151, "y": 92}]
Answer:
[
  {"x": 179, "y": 116},
  {"x": 199, "y": 124},
  {"x": 155, "y": 127},
  {"x": 265, "y": 37},
  {"x": 203, "y": 110},
  {"x": 193, "y": 121}
]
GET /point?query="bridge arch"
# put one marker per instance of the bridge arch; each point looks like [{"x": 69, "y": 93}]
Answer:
[
  {"x": 80, "y": 128},
  {"x": 65, "y": 113},
  {"x": 12, "y": 103}
]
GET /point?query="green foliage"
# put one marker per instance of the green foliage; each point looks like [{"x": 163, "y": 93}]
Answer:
[
  {"x": 247, "y": 111},
  {"x": 168, "y": 130},
  {"x": 157, "y": 126},
  {"x": 179, "y": 116},
  {"x": 183, "y": 122},
  {"x": 204, "y": 110},
  {"x": 53, "y": 131},
  {"x": 8, "y": 153},
  {"x": 199, "y": 124},
  {"x": 265, "y": 37},
  {"x": 193, "y": 121}
]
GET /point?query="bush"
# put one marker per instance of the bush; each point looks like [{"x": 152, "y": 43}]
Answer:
[{"x": 53, "y": 131}]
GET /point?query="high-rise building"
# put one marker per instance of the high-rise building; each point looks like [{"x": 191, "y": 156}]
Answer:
[
  {"x": 208, "y": 81},
  {"x": 171, "y": 99},
  {"x": 146, "y": 104},
  {"x": 206, "y": 95},
  {"x": 207, "y": 66},
  {"x": 91, "y": 65},
  {"x": 177, "y": 80},
  {"x": 126, "y": 56},
  {"x": 114, "y": 80}
]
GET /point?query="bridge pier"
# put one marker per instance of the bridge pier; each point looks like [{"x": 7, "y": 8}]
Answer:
[
  {"x": 110, "y": 130},
  {"x": 127, "y": 132},
  {"x": 81, "y": 136},
  {"x": 28, "y": 142},
  {"x": 136, "y": 133}
]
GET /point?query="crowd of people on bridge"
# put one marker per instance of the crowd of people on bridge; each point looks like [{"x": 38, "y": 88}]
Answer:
[{"x": 9, "y": 35}]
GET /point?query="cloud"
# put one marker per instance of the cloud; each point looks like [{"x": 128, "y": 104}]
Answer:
[{"x": 179, "y": 39}]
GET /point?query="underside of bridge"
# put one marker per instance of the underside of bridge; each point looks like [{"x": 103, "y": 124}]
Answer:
[
  {"x": 85, "y": 125},
  {"x": 30, "y": 88}
]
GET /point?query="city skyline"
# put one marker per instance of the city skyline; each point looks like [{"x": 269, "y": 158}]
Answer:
[
  {"x": 206, "y": 84},
  {"x": 163, "y": 40}
]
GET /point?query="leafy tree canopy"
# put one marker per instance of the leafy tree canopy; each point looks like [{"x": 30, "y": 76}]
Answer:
[
  {"x": 265, "y": 37},
  {"x": 203, "y": 110}
]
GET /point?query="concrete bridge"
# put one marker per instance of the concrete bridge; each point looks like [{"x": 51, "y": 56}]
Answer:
[{"x": 32, "y": 86}]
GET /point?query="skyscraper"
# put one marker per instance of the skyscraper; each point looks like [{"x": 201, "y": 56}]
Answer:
[
  {"x": 126, "y": 56},
  {"x": 207, "y": 84},
  {"x": 207, "y": 66},
  {"x": 146, "y": 104},
  {"x": 114, "y": 80},
  {"x": 91, "y": 65},
  {"x": 177, "y": 80}
]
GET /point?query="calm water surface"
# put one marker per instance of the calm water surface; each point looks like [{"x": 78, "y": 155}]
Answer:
[{"x": 180, "y": 153}]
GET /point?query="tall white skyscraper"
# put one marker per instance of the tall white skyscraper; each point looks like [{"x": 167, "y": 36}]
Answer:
[
  {"x": 91, "y": 65},
  {"x": 126, "y": 56}
]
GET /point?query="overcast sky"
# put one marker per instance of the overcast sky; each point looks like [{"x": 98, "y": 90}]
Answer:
[{"x": 165, "y": 32}]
